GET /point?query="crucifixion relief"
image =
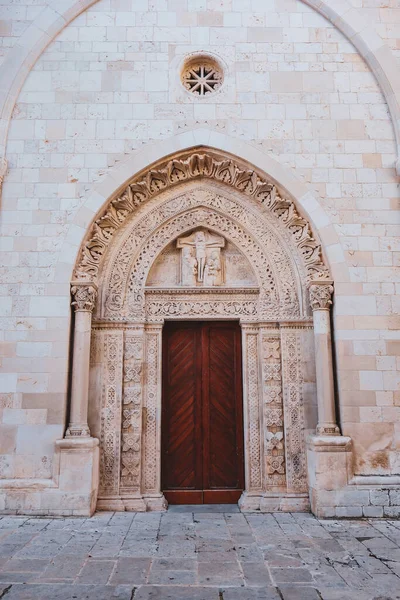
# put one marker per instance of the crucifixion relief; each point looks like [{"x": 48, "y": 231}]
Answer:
[{"x": 201, "y": 260}]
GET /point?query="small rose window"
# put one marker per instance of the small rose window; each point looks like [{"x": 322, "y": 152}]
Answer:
[{"x": 202, "y": 76}]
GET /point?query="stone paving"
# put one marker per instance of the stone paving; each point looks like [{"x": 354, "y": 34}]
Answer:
[{"x": 199, "y": 553}]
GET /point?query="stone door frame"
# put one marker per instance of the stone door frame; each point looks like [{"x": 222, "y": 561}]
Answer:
[
  {"x": 272, "y": 366},
  {"x": 126, "y": 341}
]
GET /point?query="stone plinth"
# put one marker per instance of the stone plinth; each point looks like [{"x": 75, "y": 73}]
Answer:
[{"x": 329, "y": 463}]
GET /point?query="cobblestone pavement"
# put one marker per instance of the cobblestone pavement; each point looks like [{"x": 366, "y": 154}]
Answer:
[{"x": 198, "y": 554}]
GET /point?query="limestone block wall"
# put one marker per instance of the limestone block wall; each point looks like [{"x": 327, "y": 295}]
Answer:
[
  {"x": 106, "y": 88},
  {"x": 16, "y": 18}
]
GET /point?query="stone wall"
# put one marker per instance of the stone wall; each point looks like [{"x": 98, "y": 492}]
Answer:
[{"x": 106, "y": 88}]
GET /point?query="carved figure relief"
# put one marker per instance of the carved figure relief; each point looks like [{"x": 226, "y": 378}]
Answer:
[{"x": 201, "y": 258}]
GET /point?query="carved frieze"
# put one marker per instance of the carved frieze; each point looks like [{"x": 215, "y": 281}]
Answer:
[{"x": 171, "y": 304}]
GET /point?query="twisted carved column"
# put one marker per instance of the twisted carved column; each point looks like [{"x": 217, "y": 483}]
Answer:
[
  {"x": 321, "y": 300},
  {"x": 83, "y": 300}
]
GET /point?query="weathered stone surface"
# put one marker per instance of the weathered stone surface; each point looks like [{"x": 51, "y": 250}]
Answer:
[{"x": 297, "y": 555}]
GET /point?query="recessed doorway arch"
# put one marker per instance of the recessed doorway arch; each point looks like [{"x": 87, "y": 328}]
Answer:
[{"x": 239, "y": 218}]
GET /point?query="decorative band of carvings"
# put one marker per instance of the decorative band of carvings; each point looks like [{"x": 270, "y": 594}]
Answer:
[
  {"x": 110, "y": 412},
  {"x": 253, "y": 410},
  {"x": 274, "y": 443},
  {"x": 151, "y": 410},
  {"x": 131, "y": 430},
  {"x": 180, "y": 309},
  {"x": 202, "y": 291},
  {"x": 196, "y": 165},
  {"x": 293, "y": 410}
]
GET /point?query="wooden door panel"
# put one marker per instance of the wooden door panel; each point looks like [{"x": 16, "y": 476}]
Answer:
[
  {"x": 223, "y": 363},
  {"x": 181, "y": 414},
  {"x": 202, "y": 423}
]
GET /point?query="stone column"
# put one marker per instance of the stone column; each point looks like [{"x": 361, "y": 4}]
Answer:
[
  {"x": 321, "y": 300},
  {"x": 83, "y": 300}
]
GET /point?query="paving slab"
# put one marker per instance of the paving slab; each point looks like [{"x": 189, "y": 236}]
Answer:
[{"x": 199, "y": 553}]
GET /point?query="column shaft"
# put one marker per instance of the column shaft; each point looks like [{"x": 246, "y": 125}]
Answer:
[
  {"x": 320, "y": 297},
  {"x": 83, "y": 300}
]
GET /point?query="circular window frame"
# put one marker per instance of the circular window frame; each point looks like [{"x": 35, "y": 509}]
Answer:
[{"x": 208, "y": 60}]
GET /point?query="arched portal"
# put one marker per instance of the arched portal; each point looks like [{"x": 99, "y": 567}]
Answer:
[{"x": 202, "y": 236}]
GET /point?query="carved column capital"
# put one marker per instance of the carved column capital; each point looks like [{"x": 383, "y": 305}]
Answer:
[
  {"x": 83, "y": 295},
  {"x": 321, "y": 294}
]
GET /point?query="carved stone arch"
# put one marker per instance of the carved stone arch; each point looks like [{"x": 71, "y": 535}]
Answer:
[
  {"x": 123, "y": 298},
  {"x": 203, "y": 190},
  {"x": 198, "y": 165},
  {"x": 180, "y": 225}
]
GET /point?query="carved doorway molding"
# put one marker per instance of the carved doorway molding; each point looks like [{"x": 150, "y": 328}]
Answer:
[{"x": 243, "y": 220}]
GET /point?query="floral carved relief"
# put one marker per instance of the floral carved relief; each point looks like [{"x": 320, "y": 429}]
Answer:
[
  {"x": 131, "y": 429},
  {"x": 321, "y": 295},
  {"x": 191, "y": 166},
  {"x": 253, "y": 408},
  {"x": 111, "y": 343},
  {"x": 152, "y": 398},
  {"x": 293, "y": 409},
  {"x": 274, "y": 445}
]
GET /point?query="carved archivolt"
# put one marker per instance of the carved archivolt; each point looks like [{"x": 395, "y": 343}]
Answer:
[
  {"x": 168, "y": 219},
  {"x": 191, "y": 166}
]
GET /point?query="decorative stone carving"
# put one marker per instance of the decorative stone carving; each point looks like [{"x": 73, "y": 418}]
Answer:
[
  {"x": 132, "y": 412},
  {"x": 111, "y": 408},
  {"x": 269, "y": 302},
  {"x": 202, "y": 75},
  {"x": 201, "y": 223},
  {"x": 321, "y": 300},
  {"x": 205, "y": 267},
  {"x": 293, "y": 409},
  {"x": 321, "y": 295},
  {"x": 189, "y": 166},
  {"x": 252, "y": 391},
  {"x": 83, "y": 296},
  {"x": 254, "y": 247},
  {"x": 152, "y": 402},
  {"x": 240, "y": 303},
  {"x": 274, "y": 448}
]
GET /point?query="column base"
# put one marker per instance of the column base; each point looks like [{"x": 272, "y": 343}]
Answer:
[
  {"x": 329, "y": 471},
  {"x": 77, "y": 431},
  {"x": 328, "y": 429}
]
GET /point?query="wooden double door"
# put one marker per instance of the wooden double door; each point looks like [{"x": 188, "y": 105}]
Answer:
[{"x": 202, "y": 414}]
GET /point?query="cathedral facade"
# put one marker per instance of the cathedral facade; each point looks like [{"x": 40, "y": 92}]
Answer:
[{"x": 199, "y": 256}]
